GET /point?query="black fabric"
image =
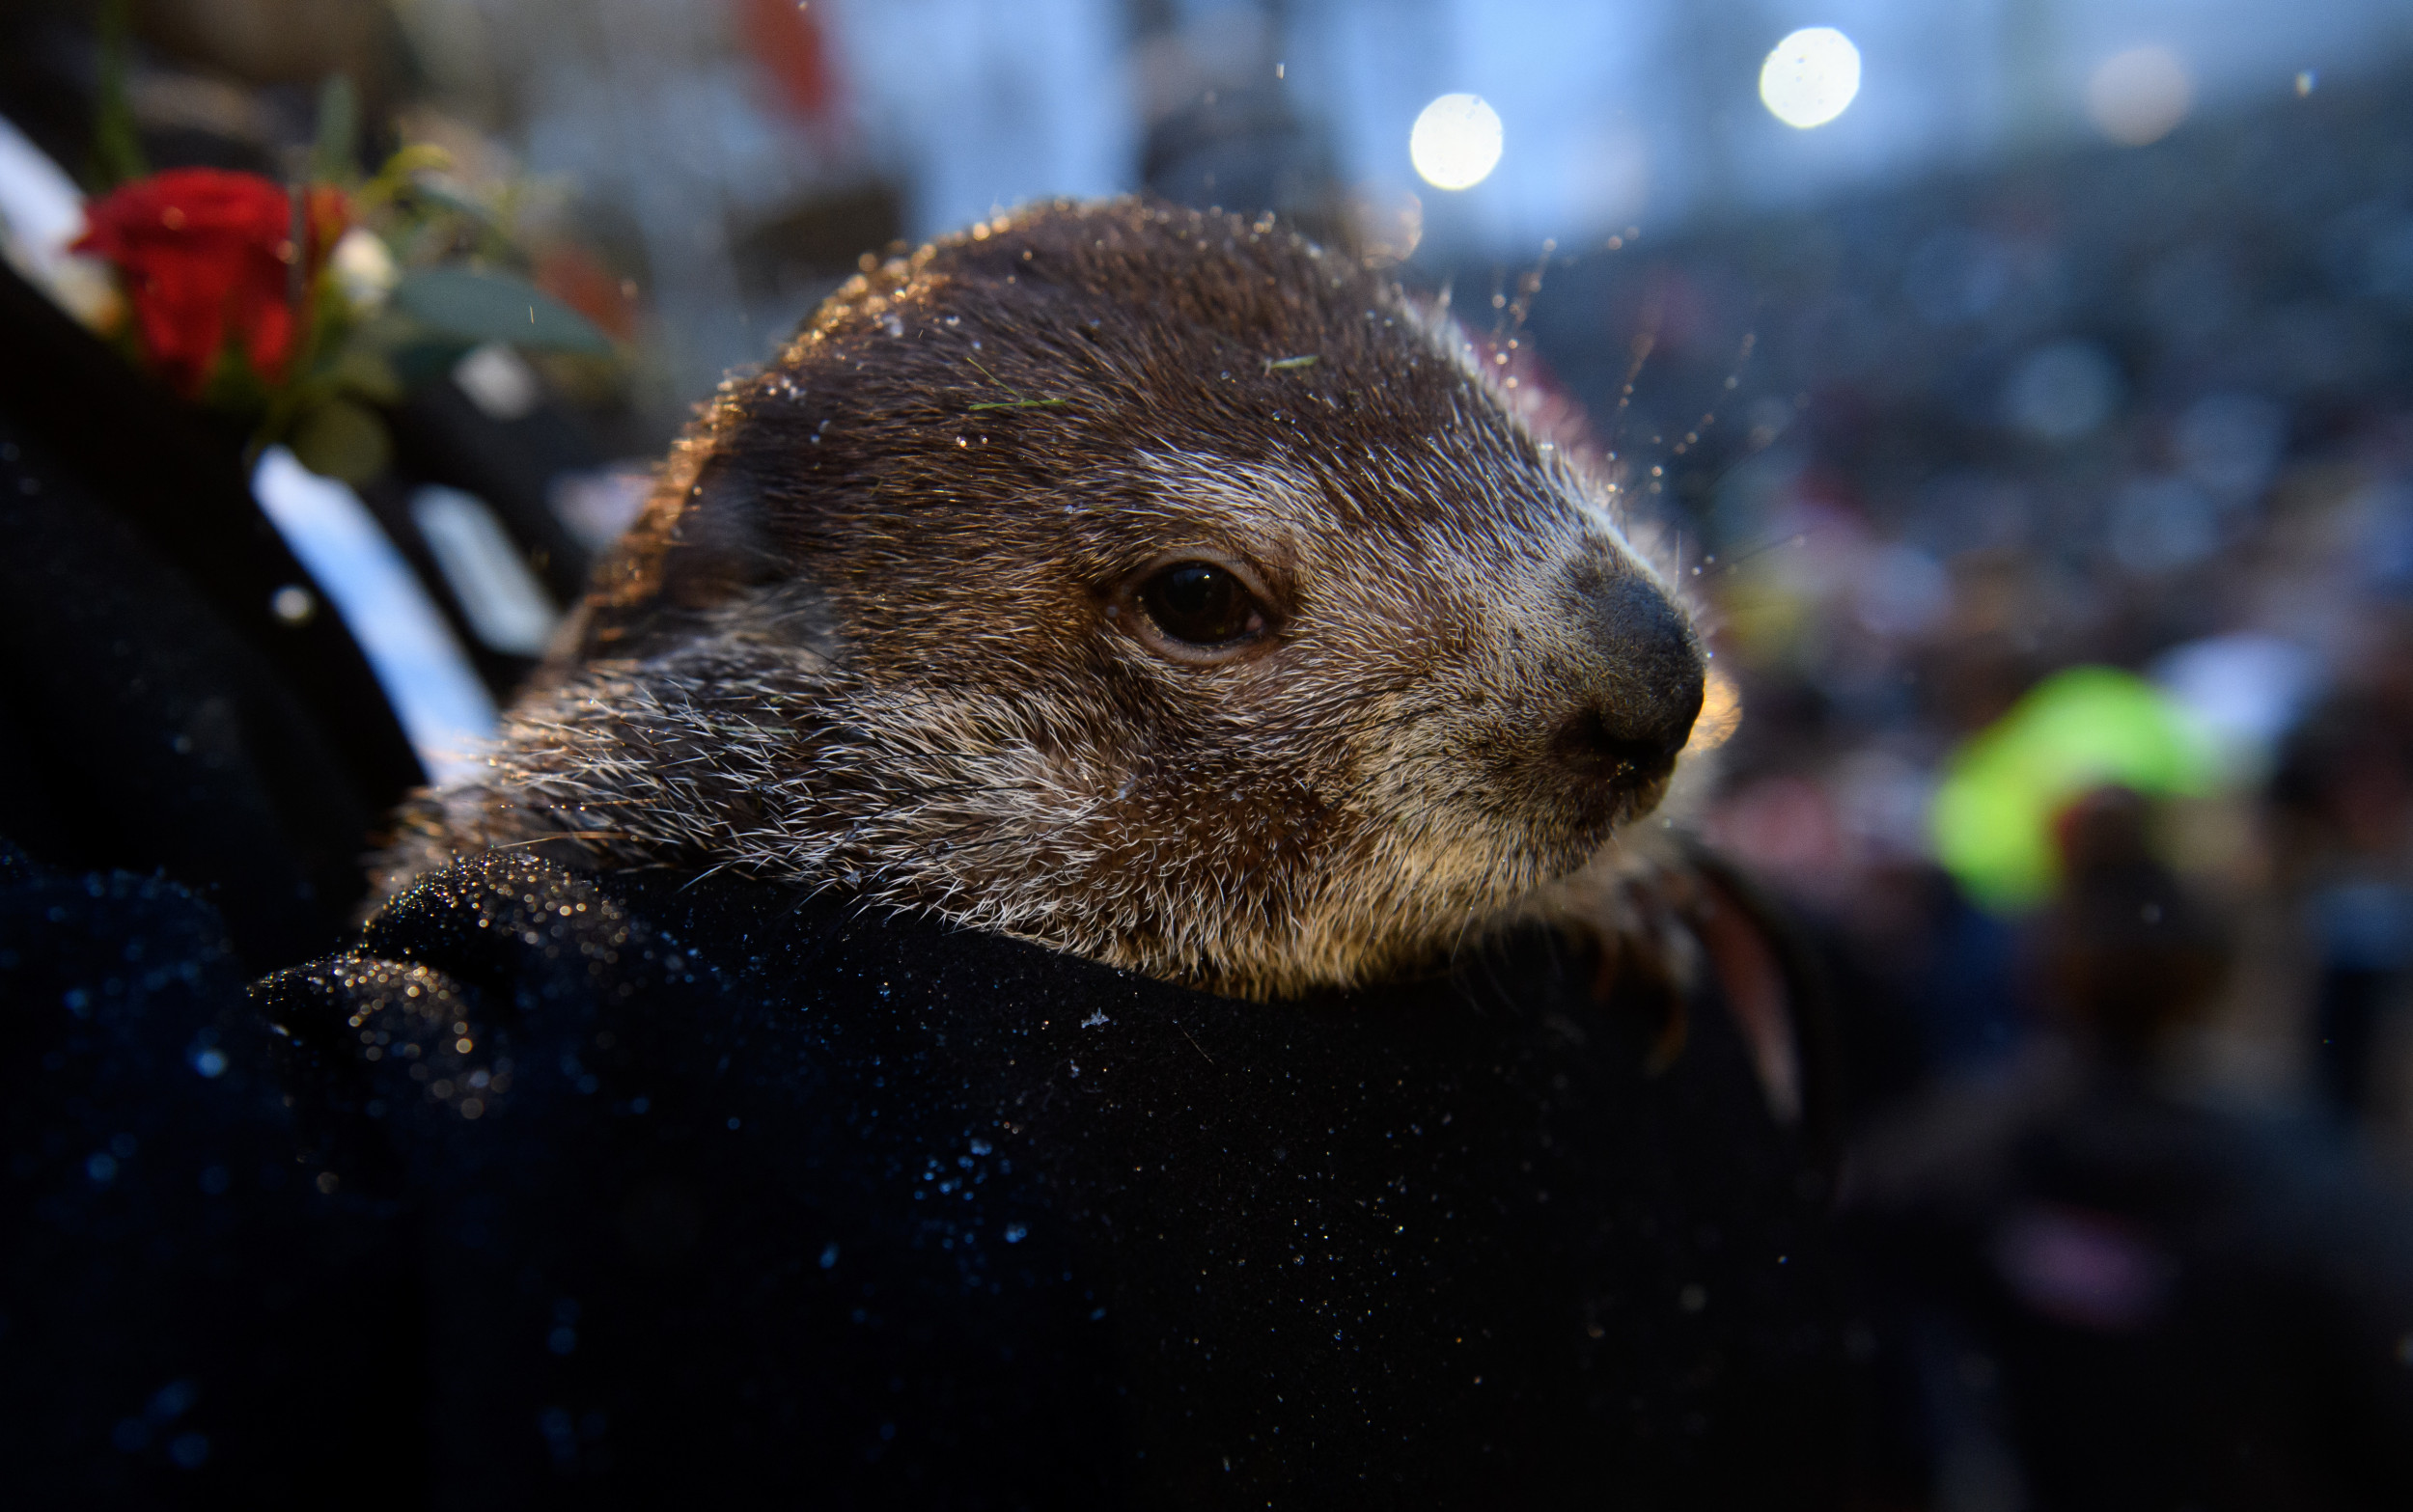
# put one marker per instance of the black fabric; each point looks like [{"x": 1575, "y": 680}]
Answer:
[
  {"x": 138, "y": 731},
  {"x": 723, "y": 1190},
  {"x": 185, "y": 1317},
  {"x": 652, "y": 1189}
]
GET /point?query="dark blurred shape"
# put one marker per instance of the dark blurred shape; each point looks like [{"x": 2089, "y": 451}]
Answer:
[
  {"x": 276, "y": 42},
  {"x": 216, "y": 83},
  {"x": 1221, "y": 129},
  {"x": 2127, "y": 956},
  {"x": 1927, "y": 984},
  {"x": 1243, "y": 150},
  {"x": 2344, "y": 793},
  {"x": 1932, "y": 984},
  {"x": 2107, "y": 1297},
  {"x": 802, "y": 253}
]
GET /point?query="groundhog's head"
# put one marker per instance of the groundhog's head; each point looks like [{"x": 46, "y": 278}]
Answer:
[{"x": 1141, "y": 582}]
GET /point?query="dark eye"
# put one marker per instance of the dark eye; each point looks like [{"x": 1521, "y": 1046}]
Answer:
[{"x": 1203, "y": 604}]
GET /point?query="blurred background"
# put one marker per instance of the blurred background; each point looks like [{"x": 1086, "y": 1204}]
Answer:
[{"x": 2023, "y": 387}]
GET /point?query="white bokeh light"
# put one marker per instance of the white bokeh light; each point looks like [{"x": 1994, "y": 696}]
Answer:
[
  {"x": 1456, "y": 143},
  {"x": 1810, "y": 77}
]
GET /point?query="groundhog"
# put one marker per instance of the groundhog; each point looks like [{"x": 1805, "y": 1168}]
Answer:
[{"x": 1150, "y": 584}]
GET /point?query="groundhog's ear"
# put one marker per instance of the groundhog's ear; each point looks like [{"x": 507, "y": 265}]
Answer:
[{"x": 720, "y": 543}]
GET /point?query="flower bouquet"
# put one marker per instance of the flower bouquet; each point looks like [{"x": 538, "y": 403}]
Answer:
[{"x": 297, "y": 312}]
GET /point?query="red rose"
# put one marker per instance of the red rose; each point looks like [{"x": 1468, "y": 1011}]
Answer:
[{"x": 202, "y": 251}]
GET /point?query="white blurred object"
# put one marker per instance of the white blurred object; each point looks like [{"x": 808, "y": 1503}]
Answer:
[
  {"x": 499, "y": 381},
  {"x": 364, "y": 270},
  {"x": 1455, "y": 141},
  {"x": 2140, "y": 96},
  {"x": 444, "y": 708},
  {"x": 42, "y": 213},
  {"x": 2247, "y": 689},
  {"x": 1810, "y": 77},
  {"x": 506, "y": 606}
]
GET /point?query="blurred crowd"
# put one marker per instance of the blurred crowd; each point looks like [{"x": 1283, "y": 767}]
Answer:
[
  {"x": 2145, "y": 409},
  {"x": 2129, "y": 1131},
  {"x": 2129, "y": 1136}
]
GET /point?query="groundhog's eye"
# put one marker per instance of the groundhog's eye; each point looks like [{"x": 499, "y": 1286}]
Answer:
[
  {"x": 1195, "y": 611},
  {"x": 1202, "y": 608}
]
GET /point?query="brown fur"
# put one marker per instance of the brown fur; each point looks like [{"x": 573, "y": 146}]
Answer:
[{"x": 873, "y": 631}]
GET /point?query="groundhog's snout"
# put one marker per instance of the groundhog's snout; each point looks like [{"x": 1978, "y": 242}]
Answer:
[{"x": 1647, "y": 691}]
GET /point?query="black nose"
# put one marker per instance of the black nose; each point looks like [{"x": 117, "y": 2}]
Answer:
[{"x": 1646, "y": 688}]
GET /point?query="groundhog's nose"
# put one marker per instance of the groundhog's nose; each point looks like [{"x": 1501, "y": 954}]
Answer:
[{"x": 1647, "y": 690}]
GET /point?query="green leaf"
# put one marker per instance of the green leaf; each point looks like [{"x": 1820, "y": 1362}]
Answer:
[
  {"x": 495, "y": 307},
  {"x": 342, "y": 440},
  {"x": 441, "y": 198},
  {"x": 397, "y": 173},
  {"x": 336, "y": 156},
  {"x": 117, "y": 153}
]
